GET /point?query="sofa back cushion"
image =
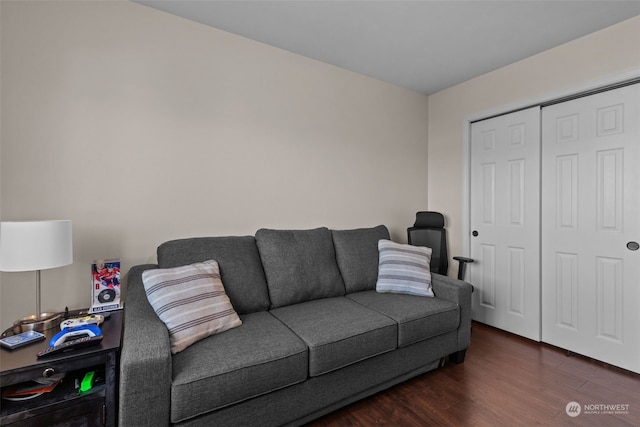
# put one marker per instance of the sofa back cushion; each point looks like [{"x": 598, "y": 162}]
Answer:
[
  {"x": 357, "y": 256},
  {"x": 240, "y": 267},
  {"x": 300, "y": 265}
]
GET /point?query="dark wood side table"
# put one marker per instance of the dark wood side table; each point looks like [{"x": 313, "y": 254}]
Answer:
[{"x": 63, "y": 405}]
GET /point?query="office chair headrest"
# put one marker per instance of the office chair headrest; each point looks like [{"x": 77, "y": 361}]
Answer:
[{"x": 429, "y": 220}]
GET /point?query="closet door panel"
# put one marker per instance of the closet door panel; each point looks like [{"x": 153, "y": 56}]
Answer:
[
  {"x": 590, "y": 212},
  {"x": 505, "y": 204}
]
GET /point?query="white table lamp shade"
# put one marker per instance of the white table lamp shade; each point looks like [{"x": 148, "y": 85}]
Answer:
[{"x": 35, "y": 245}]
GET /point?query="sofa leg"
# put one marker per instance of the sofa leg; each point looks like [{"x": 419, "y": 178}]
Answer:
[{"x": 458, "y": 356}]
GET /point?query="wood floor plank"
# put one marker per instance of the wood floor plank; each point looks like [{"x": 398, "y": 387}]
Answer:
[{"x": 506, "y": 380}]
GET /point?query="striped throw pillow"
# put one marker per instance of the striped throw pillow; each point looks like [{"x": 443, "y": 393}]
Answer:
[
  {"x": 404, "y": 269},
  {"x": 191, "y": 301}
]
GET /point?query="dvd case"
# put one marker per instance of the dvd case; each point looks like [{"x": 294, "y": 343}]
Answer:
[{"x": 105, "y": 284}]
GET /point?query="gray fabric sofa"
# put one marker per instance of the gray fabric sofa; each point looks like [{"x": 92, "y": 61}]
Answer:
[{"x": 315, "y": 334}]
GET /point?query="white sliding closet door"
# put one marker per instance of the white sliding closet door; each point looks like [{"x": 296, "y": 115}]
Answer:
[
  {"x": 505, "y": 208},
  {"x": 590, "y": 223}
]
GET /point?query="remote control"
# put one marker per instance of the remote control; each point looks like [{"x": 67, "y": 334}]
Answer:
[{"x": 70, "y": 345}]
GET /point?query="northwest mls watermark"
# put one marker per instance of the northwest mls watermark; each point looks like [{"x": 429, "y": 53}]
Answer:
[{"x": 573, "y": 409}]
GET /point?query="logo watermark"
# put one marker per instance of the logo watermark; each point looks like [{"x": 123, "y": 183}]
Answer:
[{"x": 573, "y": 409}]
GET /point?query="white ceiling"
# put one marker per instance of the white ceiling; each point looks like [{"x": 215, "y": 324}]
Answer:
[{"x": 421, "y": 45}]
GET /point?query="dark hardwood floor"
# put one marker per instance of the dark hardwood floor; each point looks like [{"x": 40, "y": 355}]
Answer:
[{"x": 506, "y": 380}]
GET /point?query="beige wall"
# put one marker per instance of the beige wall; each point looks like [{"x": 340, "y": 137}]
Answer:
[
  {"x": 612, "y": 52},
  {"x": 142, "y": 127}
]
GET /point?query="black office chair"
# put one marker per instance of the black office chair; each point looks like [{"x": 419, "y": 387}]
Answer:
[{"x": 429, "y": 231}]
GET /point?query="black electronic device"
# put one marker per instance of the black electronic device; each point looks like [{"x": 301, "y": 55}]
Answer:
[
  {"x": 22, "y": 339},
  {"x": 70, "y": 345}
]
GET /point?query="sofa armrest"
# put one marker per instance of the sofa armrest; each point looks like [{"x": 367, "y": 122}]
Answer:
[
  {"x": 145, "y": 359},
  {"x": 459, "y": 292}
]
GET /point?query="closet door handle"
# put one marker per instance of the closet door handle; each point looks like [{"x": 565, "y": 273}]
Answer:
[
  {"x": 633, "y": 246},
  {"x": 475, "y": 234}
]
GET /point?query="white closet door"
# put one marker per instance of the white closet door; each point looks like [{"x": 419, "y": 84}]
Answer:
[
  {"x": 590, "y": 221},
  {"x": 505, "y": 208}
]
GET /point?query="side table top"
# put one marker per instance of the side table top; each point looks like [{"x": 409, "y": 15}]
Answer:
[{"x": 27, "y": 356}]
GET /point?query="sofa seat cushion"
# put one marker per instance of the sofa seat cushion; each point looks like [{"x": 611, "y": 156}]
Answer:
[
  {"x": 256, "y": 358},
  {"x": 418, "y": 318},
  {"x": 338, "y": 331}
]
